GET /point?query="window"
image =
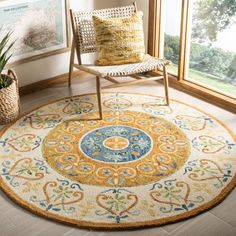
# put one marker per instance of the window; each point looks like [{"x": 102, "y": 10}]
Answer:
[
  {"x": 212, "y": 60},
  {"x": 198, "y": 36},
  {"x": 172, "y": 17}
]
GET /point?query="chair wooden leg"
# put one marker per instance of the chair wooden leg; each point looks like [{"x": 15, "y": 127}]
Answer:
[
  {"x": 72, "y": 57},
  {"x": 166, "y": 85},
  {"x": 98, "y": 87}
]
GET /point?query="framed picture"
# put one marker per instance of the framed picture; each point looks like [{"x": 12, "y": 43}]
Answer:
[{"x": 40, "y": 28}]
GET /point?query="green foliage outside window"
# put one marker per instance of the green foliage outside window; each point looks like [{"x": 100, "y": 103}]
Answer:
[{"x": 211, "y": 60}]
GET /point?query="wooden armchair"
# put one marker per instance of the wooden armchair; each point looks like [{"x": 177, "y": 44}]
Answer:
[{"x": 84, "y": 42}]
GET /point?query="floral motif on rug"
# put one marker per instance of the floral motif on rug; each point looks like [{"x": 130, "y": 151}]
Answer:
[{"x": 142, "y": 164}]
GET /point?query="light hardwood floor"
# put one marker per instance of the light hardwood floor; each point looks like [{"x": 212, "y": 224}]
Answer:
[{"x": 219, "y": 221}]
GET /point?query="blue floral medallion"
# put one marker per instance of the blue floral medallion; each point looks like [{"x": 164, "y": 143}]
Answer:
[{"x": 116, "y": 144}]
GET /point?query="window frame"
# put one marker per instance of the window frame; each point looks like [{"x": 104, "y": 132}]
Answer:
[{"x": 155, "y": 48}]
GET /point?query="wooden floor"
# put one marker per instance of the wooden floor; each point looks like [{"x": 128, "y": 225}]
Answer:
[{"x": 219, "y": 221}]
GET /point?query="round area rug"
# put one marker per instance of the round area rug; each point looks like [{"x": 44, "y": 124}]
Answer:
[{"x": 144, "y": 164}]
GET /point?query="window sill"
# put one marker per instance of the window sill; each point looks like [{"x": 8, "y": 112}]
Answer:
[{"x": 203, "y": 93}]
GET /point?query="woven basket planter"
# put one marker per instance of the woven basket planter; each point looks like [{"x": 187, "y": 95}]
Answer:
[{"x": 9, "y": 100}]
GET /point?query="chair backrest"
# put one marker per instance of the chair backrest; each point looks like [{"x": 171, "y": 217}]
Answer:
[{"x": 82, "y": 25}]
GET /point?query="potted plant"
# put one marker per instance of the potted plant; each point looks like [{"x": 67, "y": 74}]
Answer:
[{"x": 9, "y": 94}]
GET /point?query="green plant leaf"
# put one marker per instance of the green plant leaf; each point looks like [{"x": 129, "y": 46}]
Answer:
[
  {"x": 4, "y": 81},
  {"x": 4, "y": 41},
  {"x": 2, "y": 62},
  {"x": 4, "y": 57}
]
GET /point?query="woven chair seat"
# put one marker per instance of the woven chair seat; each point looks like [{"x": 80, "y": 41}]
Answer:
[{"x": 149, "y": 63}]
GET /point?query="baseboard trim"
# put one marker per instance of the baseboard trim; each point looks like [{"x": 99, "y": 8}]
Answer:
[{"x": 43, "y": 84}]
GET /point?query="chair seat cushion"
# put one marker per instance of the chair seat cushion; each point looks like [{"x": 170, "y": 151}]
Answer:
[
  {"x": 148, "y": 64},
  {"x": 119, "y": 40}
]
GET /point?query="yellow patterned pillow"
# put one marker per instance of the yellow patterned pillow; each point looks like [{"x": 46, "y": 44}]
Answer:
[{"x": 119, "y": 40}]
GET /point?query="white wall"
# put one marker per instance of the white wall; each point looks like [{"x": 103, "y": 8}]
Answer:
[{"x": 58, "y": 64}]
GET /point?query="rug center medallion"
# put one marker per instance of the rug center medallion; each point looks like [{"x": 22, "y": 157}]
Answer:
[
  {"x": 116, "y": 144},
  {"x": 124, "y": 149}
]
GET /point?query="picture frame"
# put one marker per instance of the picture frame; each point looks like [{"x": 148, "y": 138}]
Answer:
[{"x": 40, "y": 28}]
